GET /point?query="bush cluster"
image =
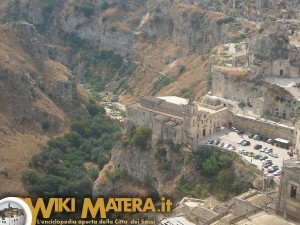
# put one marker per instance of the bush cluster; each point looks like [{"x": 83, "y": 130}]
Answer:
[{"x": 59, "y": 169}]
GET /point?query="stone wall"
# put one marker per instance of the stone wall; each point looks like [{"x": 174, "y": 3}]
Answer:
[{"x": 261, "y": 127}]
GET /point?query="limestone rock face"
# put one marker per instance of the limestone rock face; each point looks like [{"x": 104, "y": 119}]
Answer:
[
  {"x": 31, "y": 40},
  {"x": 270, "y": 47},
  {"x": 143, "y": 165}
]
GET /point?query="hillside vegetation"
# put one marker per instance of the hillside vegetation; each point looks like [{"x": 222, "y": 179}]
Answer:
[{"x": 60, "y": 167}]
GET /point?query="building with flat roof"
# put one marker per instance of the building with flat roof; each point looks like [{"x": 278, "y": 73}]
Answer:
[
  {"x": 289, "y": 193},
  {"x": 178, "y": 119},
  {"x": 252, "y": 207}
]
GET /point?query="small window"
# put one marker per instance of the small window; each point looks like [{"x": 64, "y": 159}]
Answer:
[
  {"x": 174, "y": 134},
  {"x": 293, "y": 192},
  {"x": 143, "y": 113}
]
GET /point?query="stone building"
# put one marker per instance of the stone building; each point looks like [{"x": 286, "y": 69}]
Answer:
[
  {"x": 297, "y": 137},
  {"x": 12, "y": 216},
  {"x": 178, "y": 119},
  {"x": 280, "y": 68},
  {"x": 289, "y": 193}
]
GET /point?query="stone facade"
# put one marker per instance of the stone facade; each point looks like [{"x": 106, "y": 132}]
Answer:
[
  {"x": 297, "y": 137},
  {"x": 289, "y": 195},
  {"x": 178, "y": 119}
]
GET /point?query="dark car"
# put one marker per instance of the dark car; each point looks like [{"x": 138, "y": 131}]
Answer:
[
  {"x": 210, "y": 142},
  {"x": 264, "y": 139},
  {"x": 257, "y": 147},
  {"x": 263, "y": 158},
  {"x": 240, "y": 132},
  {"x": 250, "y": 136},
  {"x": 216, "y": 142}
]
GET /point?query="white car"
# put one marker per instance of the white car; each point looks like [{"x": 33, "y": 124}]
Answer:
[
  {"x": 263, "y": 149},
  {"x": 277, "y": 173},
  {"x": 268, "y": 150},
  {"x": 227, "y": 146},
  {"x": 240, "y": 141},
  {"x": 273, "y": 154},
  {"x": 243, "y": 151},
  {"x": 232, "y": 148}
]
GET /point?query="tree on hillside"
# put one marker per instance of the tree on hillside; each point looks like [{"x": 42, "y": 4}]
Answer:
[{"x": 142, "y": 135}]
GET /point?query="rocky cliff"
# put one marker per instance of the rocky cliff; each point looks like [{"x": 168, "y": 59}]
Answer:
[
  {"x": 162, "y": 173},
  {"x": 37, "y": 98}
]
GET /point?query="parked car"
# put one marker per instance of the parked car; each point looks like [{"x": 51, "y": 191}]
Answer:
[
  {"x": 227, "y": 145},
  {"x": 290, "y": 153},
  {"x": 275, "y": 167},
  {"x": 273, "y": 154},
  {"x": 268, "y": 150},
  {"x": 267, "y": 161},
  {"x": 243, "y": 152},
  {"x": 245, "y": 143},
  {"x": 263, "y": 149},
  {"x": 250, "y": 154},
  {"x": 257, "y": 147},
  {"x": 250, "y": 136},
  {"x": 271, "y": 169},
  {"x": 256, "y": 137},
  {"x": 232, "y": 148},
  {"x": 256, "y": 156},
  {"x": 263, "y": 158},
  {"x": 210, "y": 142},
  {"x": 270, "y": 141},
  {"x": 233, "y": 129},
  {"x": 241, "y": 141},
  {"x": 266, "y": 165},
  {"x": 216, "y": 142},
  {"x": 264, "y": 138},
  {"x": 240, "y": 132},
  {"x": 277, "y": 173}
]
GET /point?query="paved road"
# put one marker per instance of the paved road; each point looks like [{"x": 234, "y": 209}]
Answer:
[{"x": 230, "y": 137}]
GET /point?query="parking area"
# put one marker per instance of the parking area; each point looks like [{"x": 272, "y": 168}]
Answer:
[{"x": 230, "y": 137}]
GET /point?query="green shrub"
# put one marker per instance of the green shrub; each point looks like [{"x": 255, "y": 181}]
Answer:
[
  {"x": 46, "y": 125},
  {"x": 87, "y": 11},
  {"x": 95, "y": 109},
  {"x": 260, "y": 30},
  {"x": 242, "y": 104},
  {"x": 114, "y": 175},
  {"x": 161, "y": 82},
  {"x": 160, "y": 154},
  {"x": 225, "y": 20},
  {"x": 239, "y": 38},
  {"x": 181, "y": 69},
  {"x": 104, "y": 19},
  {"x": 105, "y": 6},
  {"x": 142, "y": 135},
  {"x": 113, "y": 28},
  {"x": 94, "y": 173}
]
